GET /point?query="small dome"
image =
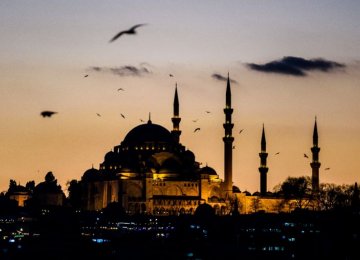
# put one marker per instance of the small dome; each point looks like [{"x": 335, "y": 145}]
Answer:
[
  {"x": 110, "y": 156},
  {"x": 236, "y": 189},
  {"x": 90, "y": 174},
  {"x": 148, "y": 133},
  {"x": 207, "y": 170}
]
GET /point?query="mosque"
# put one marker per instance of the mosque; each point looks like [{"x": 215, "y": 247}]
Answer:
[{"x": 152, "y": 172}]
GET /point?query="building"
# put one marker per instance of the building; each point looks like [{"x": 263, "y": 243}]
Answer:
[{"x": 150, "y": 171}]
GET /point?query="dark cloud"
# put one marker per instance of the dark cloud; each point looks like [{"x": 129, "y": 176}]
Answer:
[
  {"x": 296, "y": 66},
  {"x": 122, "y": 71},
  {"x": 220, "y": 77}
]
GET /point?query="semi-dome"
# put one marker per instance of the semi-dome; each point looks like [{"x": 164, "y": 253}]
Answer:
[
  {"x": 171, "y": 165},
  {"x": 148, "y": 133},
  {"x": 207, "y": 170}
]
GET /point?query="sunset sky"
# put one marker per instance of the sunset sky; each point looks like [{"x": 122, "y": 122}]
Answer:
[{"x": 47, "y": 47}]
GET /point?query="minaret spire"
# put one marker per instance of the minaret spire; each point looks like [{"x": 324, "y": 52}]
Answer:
[
  {"x": 228, "y": 140},
  {"x": 263, "y": 169},
  {"x": 176, "y": 118},
  {"x": 315, "y": 135},
  {"x": 149, "y": 121},
  {"x": 315, "y": 164},
  {"x": 228, "y": 93}
]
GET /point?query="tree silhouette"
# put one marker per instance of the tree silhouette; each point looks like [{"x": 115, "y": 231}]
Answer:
[
  {"x": 30, "y": 185},
  {"x": 297, "y": 189},
  {"x": 12, "y": 186},
  {"x": 74, "y": 189},
  {"x": 256, "y": 204}
]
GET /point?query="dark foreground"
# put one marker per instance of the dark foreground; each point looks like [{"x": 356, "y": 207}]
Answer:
[{"x": 64, "y": 234}]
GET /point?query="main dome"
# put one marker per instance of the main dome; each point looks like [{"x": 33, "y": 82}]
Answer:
[{"x": 149, "y": 132}]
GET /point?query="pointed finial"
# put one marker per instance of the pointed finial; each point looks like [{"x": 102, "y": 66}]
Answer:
[
  {"x": 263, "y": 140},
  {"x": 315, "y": 134},
  {"x": 149, "y": 121},
  {"x": 228, "y": 93}
]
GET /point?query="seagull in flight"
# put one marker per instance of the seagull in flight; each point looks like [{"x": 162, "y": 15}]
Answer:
[
  {"x": 47, "y": 113},
  {"x": 122, "y": 116},
  {"x": 120, "y": 89},
  {"x": 241, "y": 131},
  {"x": 98, "y": 114},
  {"x": 277, "y": 153},
  {"x": 141, "y": 120},
  {"x": 327, "y": 169},
  {"x": 171, "y": 75},
  {"x": 86, "y": 76},
  {"x": 195, "y": 120},
  {"x": 129, "y": 31},
  {"x": 305, "y": 155},
  {"x": 208, "y": 112},
  {"x": 196, "y": 129}
]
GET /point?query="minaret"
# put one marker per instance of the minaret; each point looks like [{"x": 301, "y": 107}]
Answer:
[
  {"x": 263, "y": 169},
  {"x": 228, "y": 140},
  {"x": 176, "y": 119},
  {"x": 315, "y": 164}
]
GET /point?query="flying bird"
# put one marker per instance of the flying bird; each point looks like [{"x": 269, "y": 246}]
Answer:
[
  {"x": 47, "y": 113},
  {"x": 120, "y": 89},
  {"x": 86, "y": 76},
  {"x": 122, "y": 116},
  {"x": 277, "y": 153},
  {"x": 241, "y": 131},
  {"x": 233, "y": 147},
  {"x": 129, "y": 31},
  {"x": 98, "y": 114},
  {"x": 196, "y": 129},
  {"x": 195, "y": 120},
  {"x": 171, "y": 75},
  {"x": 208, "y": 112},
  {"x": 327, "y": 169},
  {"x": 142, "y": 120},
  {"x": 305, "y": 155}
]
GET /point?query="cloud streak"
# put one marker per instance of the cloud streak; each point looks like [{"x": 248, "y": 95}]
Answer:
[
  {"x": 296, "y": 66},
  {"x": 220, "y": 77},
  {"x": 123, "y": 71}
]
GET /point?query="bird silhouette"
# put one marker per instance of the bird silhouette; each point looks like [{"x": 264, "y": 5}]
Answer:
[
  {"x": 233, "y": 147},
  {"x": 98, "y": 114},
  {"x": 122, "y": 116},
  {"x": 86, "y": 76},
  {"x": 208, "y": 112},
  {"x": 305, "y": 155},
  {"x": 327, "y": 169},
  {"x": 47, "y": 113},
  {"x": 171, "y": 75},
  {"x": 277, "y": 153},
  {"x": 195, "y": 120},
  {"x": 241, "y": 131},
  {"x": 120, "y": 89},
  {"x": 196, "y": 129},
  {"x": 129, "y": 31},
  {"x": 142, "y": 120}
]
